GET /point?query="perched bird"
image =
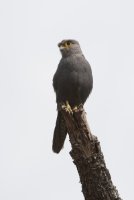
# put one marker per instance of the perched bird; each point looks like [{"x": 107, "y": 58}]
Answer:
[{"x": 72, "y": 83}]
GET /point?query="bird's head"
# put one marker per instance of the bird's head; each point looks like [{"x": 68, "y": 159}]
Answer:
[{"x": 69, "y": 47}]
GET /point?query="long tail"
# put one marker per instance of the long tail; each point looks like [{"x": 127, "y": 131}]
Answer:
[{"x": 60, "y": 133}]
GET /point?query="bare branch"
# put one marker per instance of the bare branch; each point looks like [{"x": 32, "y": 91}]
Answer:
[{"x": 88, "y": 158}]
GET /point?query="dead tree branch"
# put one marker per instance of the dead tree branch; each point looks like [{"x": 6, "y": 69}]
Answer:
[{"x": 88, "y": 158}]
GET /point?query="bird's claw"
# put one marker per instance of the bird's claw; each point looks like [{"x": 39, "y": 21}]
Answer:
[
  {"x": 67, "y": 108},
  {"x": 70, "y": 110},
  {"x": 75, "y": 109}
]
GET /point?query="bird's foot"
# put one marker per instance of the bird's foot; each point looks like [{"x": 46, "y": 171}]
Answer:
[
  {"x": 77, "y": 108},
  {"x": 67, "y": 108}
]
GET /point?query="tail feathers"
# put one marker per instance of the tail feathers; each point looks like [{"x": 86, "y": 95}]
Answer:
[{"x": 60, "y": 133}]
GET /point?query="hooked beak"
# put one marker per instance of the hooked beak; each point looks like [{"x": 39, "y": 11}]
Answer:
[{"x": 63, "y": 46}]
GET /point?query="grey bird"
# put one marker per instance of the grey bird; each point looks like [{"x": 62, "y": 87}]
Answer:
[{"x": 72, "y": 82}]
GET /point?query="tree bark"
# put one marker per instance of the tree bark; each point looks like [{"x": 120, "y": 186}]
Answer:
[{"x": 88, "y": 158}]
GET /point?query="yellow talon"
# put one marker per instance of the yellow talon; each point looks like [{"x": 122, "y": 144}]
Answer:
[
  {"x": 67, "y": 107},
  {"x": 75, "y": 108}
]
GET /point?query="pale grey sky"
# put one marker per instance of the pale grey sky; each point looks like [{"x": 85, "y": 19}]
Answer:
[{"x": 29, "y": 33}]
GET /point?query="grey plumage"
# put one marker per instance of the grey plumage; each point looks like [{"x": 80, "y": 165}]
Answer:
[{"x": 72, "y": 82}]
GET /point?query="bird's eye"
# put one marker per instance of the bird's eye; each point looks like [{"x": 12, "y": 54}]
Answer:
[{"x": 68, "y": 43}]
